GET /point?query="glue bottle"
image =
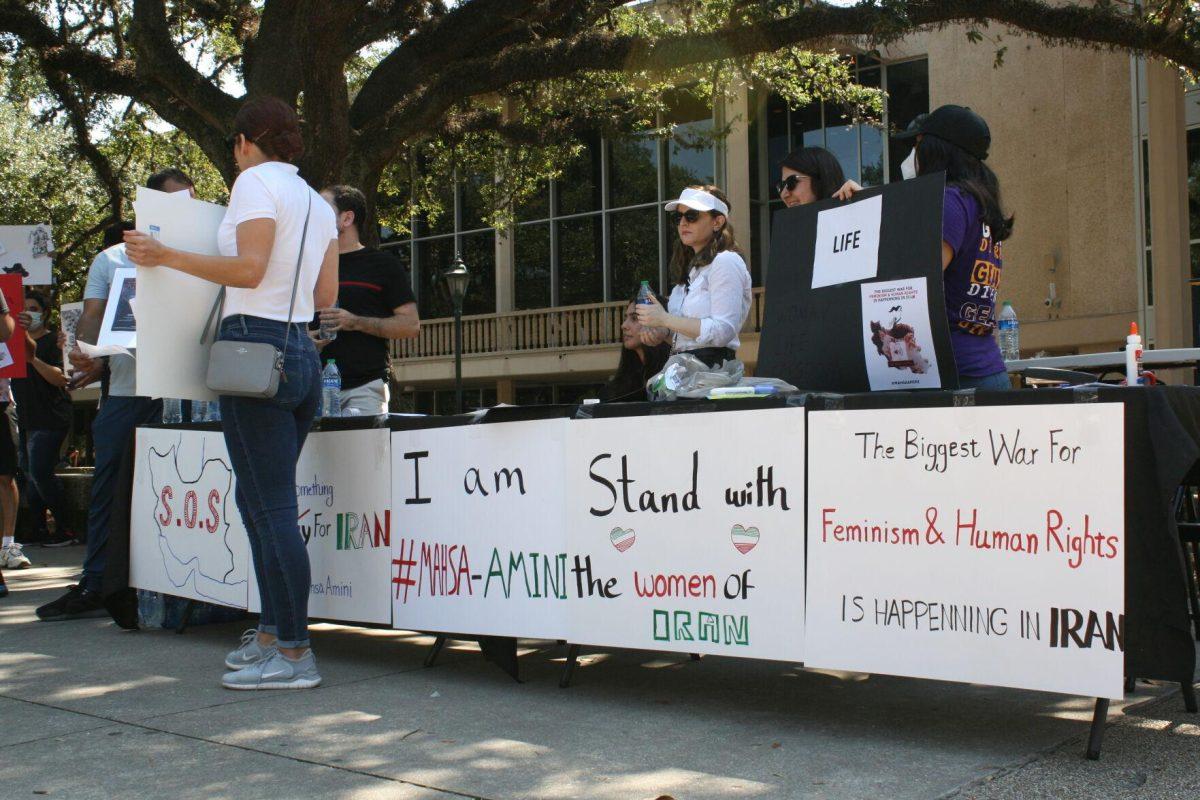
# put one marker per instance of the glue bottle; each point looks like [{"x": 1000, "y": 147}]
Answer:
[{"x": 1133, "y": 356}]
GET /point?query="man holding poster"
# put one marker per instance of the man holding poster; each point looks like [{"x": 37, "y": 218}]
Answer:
[{"x": 121, "y": 411}]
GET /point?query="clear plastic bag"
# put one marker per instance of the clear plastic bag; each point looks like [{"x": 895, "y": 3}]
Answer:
[{"x": 685, "y": 376}]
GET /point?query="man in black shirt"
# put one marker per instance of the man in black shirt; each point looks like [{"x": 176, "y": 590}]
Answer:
[{"x": 375, "y": 304}]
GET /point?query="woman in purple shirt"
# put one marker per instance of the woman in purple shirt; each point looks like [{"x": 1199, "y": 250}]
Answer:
[{"x": 955, "y": 140}]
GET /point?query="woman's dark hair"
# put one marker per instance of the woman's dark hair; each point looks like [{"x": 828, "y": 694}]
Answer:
[
  {"x": 684, "y": 258},
  {"x": 629, "y": 381},
  {"x": 820, "y": 165},
  {"x": 38, "y": 298},
  {"x": 347, "y": 198},
  {"x": 273, "y": 125},
  {"x": 968, "y": 173}
]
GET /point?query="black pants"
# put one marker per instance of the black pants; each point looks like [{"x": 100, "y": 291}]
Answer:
[{"x": 712, "y": 356}]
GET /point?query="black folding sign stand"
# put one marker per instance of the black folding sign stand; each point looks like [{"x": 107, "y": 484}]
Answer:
[{"x": 813, "y": 338}]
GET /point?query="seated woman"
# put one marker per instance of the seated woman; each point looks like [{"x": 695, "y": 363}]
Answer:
[
  {"x": 642, "y": 357},
  {"x": 711, "y": 298},
  {"x": 809, "y": 174}
]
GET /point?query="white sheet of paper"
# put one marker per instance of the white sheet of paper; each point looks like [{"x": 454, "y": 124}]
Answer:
[
  {"x": 118, "y": 327},
  {"x": 31, "y": 247},
  {"x": 173, "y": 306},
  {"x": 847, "y": 246},
  {"x": 100, "y": 351},
  {"x": 898, "y": 313}
]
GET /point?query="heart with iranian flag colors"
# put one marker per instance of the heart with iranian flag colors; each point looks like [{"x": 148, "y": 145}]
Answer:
[
  {"x": 622, "y": 538},
  {"x": 744, "y": 539}
]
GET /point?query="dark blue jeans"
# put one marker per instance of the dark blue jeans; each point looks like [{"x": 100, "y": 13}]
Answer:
[
  {"x": 264, "y": 438},
  {"x": 996, "y": 382},
  {"x": 43, "y": 489},
  {"x": 112, "y": 433}
]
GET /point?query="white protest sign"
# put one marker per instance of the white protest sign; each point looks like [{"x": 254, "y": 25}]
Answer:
[
  {"x": 27, "y": 250},
  {"x": 119, "y": 327},
  {"x": 186, "y": 537},
  {"x": 897, "y": 337},
  {"x": 343, "y": 493},
  {"x": 847, "y": 247},
  {"x": 481, "y": 540},
  {"x": 686, "y": 533},
  {"x": 970, "y": 544},
  {"x": 173, "y": 306}
]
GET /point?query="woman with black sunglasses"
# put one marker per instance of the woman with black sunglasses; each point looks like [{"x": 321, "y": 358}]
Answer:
[
  {"x": 809, "y": 174},
  {"x": 711, "y": 298}
]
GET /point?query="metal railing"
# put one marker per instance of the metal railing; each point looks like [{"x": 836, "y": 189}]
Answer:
[{"x": 562, "y": 328}]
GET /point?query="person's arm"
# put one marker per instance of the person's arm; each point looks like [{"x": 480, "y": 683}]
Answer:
[
  {"x": 847, "y": 190},
  {"x": 255, "y": 238},
  {"x": 947, "y": 255},
  {"x": 725, "y": 317},
  {"x": 51, "y": 373},
  {"x": 654, "y": 315},
  {"x": 87, "y": 370},
  {"x": 403, "y": 324},
  {"x": 326, "y": 291},
  {"x": 955, "y": 222}
]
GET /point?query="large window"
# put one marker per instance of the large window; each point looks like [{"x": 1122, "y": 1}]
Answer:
[
  {"x": 863, "y": 150},
  {"x": 597, "y": 231},
  {"x": 435, "y": 242}
]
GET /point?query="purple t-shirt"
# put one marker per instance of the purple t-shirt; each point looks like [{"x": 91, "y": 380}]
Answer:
[{"x": 970, "y": 284}]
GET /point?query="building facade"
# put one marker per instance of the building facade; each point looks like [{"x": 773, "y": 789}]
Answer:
[{"x": 1095, "y": 151}]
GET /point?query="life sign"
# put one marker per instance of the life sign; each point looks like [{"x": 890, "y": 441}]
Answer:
[{"x": 847, "y": 247}]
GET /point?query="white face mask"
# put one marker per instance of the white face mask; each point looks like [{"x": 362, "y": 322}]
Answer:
[
  {"x": 908, "y": 169},
  {"x": 35, "y": 319}
]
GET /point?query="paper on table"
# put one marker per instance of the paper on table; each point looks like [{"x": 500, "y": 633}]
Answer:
[
  {"x": 100, "y": 351},
  {"x": 172, "y": 306}
]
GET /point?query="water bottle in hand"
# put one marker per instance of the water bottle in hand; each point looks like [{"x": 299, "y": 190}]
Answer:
[
  {"x": 331, "y": 387},
  {"x": 644, "y": 294},
  {"x": 1009, "y": 333},
  {"x": 328, "y": 330}
]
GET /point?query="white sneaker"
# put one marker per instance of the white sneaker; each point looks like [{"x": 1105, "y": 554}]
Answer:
[
  {"x": 276, "y": 672},
  {"x": 248, "y": 652},
  {"x": 12, "y": 557}
]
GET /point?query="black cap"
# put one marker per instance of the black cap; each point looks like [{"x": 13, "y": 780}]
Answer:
[{"x": 958, "y": 125}]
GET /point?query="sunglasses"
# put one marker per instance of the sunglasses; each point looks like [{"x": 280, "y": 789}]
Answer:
[
  {"x": 691, "y": 215},
  {"x": 790, "y": 183}
]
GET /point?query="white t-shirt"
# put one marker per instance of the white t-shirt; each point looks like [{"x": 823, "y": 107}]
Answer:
[
  {"x": 274, "y": 190},
  {"x": 718, "y": 295}
]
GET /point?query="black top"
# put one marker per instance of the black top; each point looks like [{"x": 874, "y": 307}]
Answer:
[
  {"x": 370, "y": 284},
  {"x": 41, "y": 406}
]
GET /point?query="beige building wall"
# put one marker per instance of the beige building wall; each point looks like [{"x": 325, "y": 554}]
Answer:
[{"x": 1063, "y": 146}]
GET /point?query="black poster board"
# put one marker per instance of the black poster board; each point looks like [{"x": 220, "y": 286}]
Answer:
[{"x": 814, "y": 338}]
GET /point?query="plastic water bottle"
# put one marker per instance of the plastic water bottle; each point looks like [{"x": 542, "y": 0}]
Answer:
[
  {"x": 214, "y": 411},
  {"x": 327, "y": 332},
  {"x": 151, "y": 608},
  {"x": 172, "y": 410},
  {"x": 331, "y": 387},
  {"x": 644, "y": 294},
  {"x": 199, "y": 410},
  {"x": 1009, "y": 333}
]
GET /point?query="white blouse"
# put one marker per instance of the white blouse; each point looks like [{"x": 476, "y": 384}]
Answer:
[{"x": 717, "y": 294}]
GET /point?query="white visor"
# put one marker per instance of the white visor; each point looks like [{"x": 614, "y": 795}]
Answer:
[{"x": 699, "y": 201}]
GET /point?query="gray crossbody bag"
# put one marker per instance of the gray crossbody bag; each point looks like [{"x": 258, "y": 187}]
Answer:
[{"x": 249, "y": 369}]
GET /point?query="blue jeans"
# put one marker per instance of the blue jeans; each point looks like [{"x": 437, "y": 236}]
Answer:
[
  {"x": 264, "y": 438},
  {"x": 996, "y": 382},
  {"x": 43, "y": 489},
  {"x": 112, "y": 433}
]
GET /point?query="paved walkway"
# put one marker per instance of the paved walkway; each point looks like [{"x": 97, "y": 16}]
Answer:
[{"x": 90, "y": 711}]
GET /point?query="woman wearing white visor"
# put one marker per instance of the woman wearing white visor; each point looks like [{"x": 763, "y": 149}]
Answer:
[{"x": 711, "y": 297}]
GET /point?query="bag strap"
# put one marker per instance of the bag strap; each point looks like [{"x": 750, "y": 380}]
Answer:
[{"x": 219, "y": 303}]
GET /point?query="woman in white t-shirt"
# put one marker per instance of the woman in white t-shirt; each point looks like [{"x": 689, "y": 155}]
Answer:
[
  {"x": 711, "y": 298},
  {"x": 260, "y": 243}
]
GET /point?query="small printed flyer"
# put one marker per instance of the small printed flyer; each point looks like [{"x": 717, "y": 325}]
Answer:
[{"x": 897, "y": 337}]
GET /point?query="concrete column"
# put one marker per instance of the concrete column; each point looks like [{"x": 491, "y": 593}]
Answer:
[
  {"x": 737, "y": 166},
  {"x": 1168, "y": 170}
]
